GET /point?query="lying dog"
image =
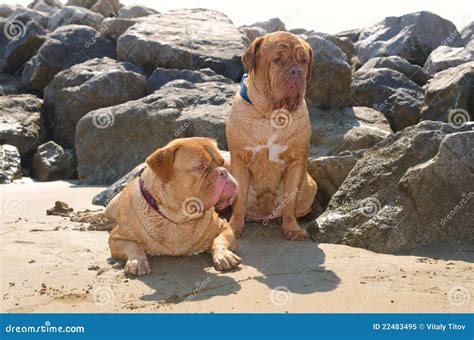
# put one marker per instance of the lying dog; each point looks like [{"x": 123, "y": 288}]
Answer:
[
  {"x": 169, "y": 208},
  {"x": 268, "y": 133}
]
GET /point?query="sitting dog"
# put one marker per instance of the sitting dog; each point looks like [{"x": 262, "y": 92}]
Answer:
[
  {"x": 268, "y": 132},
  {"x": 169, "y": 208}
]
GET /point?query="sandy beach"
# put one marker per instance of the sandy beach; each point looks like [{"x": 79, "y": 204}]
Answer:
[{"x": 50, "y": 264}]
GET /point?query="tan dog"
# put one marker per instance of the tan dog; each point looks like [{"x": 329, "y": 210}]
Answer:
[
  {"x": 268, "y": 133},
  {"x": 169, "y": 209}
]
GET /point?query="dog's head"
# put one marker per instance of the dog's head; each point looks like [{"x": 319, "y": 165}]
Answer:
[
  {"x": 192, "y": 172},
  {"x": 281, "y": 62}
]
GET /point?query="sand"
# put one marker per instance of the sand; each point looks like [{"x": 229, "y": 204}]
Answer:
[{"x": 50, "y": 264}]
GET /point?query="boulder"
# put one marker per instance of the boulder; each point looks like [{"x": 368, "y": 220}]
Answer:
[
  {"x": 350, "y": 128},
  {"x": 126, "y": 134},
  {"x": 352, "y": 35},
  {"x": 85, "y": 87},
  {"x": 344, "y": 44},
  {"x": 23, "y": 14},
  {"x": 330, "y": 172},
  {"x": 113, "y": 28},
  {"x": 11, "y": 84},
  {"x": 6, "y": 10},
  {"x": 51, "y": 163},
  {"x": 389, "y": 92},
  {"x": 185, "y": 39},
  {"x": 413, "y": 72},
  {"x": 81, "y": 3},
  {"x": 3, "y": 37},
  {"x": 21, "y": 124},
  {"x": 130, "y": 12},
  {"x": 48, "y": 6},
  {"x": 411, "y": 36},
  {"x": 161, "y": 76},
  {"x": 330, "y": 80},
  {"x": 467, "y": 35},
  {"x": 10, "y": 165},
  {"x": 108, "y": 8},
  {"x": 252, "y": 33},
  {"x": 65, "y": 47},
  {"x": 413, "y": 189},
  {"x": 445, "y": 57},
  {"x": 271, "y": 25},
  {"x": 73, "y": 15},
  {"x": 23, "y": 44},
  {"x": 449, "y": 95}
]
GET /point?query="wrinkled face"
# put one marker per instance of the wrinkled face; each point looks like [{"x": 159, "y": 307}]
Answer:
[
  {"x": 192, "y": 168},
  {"x": 281, "y": 62}
]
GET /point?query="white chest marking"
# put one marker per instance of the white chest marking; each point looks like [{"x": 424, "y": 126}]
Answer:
[{"x": 274, "y": 150}]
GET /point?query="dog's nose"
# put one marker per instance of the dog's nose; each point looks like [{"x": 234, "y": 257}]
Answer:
[
  {"x": 296, "y": 71},
  {"x": 221, "y": 171}
]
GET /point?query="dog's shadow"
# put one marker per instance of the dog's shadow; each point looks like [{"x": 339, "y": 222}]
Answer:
[{"x": 267, "y": 258}]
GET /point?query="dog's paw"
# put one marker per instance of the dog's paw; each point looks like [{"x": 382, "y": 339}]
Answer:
[
  {"x": 238, "y": 228},
  {"x": 225, "y": 260},
  {"x": 138, "y": 266},
  {"x": 295, "y": 234}
]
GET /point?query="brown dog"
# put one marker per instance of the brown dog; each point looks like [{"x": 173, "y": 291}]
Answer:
[
  {"x": 169, "y": 208},
  {"x": 268, "y": 133}
]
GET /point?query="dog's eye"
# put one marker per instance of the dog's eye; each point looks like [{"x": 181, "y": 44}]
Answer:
[
  {"x": 201, "y": 167},
  {"x": 276, "y": 60}
]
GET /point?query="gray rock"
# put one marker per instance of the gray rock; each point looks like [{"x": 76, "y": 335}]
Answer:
[
  {"x": 107, "y": 8},
  {"x": 389, "y": 92},
  {"x": 65, "y": 47},
  {"x": 330, "y": 172},
  {"x": 344, "y": 44},
  {"x": 350, "y": 128},
  {"x": 104, "y": 197},
  {"x": 449, "y": 95},
  {"x": 352, "y": 35},
  {"x": 411, "y": 36},
  {"x": 10, "y": 165},
  {"x": 21, "y": 124},
  {"x": 85, "y": 87},
  {"x": 413, "y": 189},
  {"x": 413, "y": 72},
  {"x": 130, "y": 12},
  {"x": 252, "y": 33},
  {"x": 24, "y": 15},
  {"x": 467, "y": 35},
  {"x": 136, "y": 128},
  {"x": 271, "y": 25},
  {"x": 3, "y": 37},
  {"x": 22, "y": 46},
  {"x": 162, "y": 76},
  {"x": 6, "y": 10},
  {"x": 113, "y": 28},
  {"x": 185, "y": 39},
  {"x": 11, "y": 84},
  {"x": 74, "y": 15},
  {"x": 81, "y": 3},
  {"x": 445, "y": 57},
  {"x": 330, "y": 80},
  {"x": 51, "y": 163},
  {"x": 49, "y": 6}
]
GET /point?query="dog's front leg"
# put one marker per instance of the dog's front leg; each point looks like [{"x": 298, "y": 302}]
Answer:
[
  {"x": 292, "y": 183},
  {"x": 221, "y": 250},
  {"x": 239, "y": 208},
  {"x": 132, "y": 252}
]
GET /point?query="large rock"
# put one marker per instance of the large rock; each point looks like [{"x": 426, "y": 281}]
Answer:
[
  {"x": 330, "y": 172},
  {"x": 389, "y": 92},
  {"x": 412, "y": 36},
  {"x": 49, "y": 6},
  {"x": 344, "y": 44},
  {"x": 413, "y": 72},
  {"x": 445, "y": 57},
  {"x": 85, "y": 87},
  {"x": 162, "y": 76},
  {"x": 352, "y": 35},
  {"x": 81, "y": 3},
  {"x": 11, "y": 84},
  {"x": 65, "y": 47},
  {"x": 22, "y": 46},
  {"x": 467, "y": 35},
  {"x": 74, "y": 15},
  {"x": 51, "y": 162},
  {"x": 262, "y": 28},
  {"x": 6, "y": 10},
  {"x": 415, "y": 188},
  {"x": 113, "y": 28},
  {"x": 130, "y": 12},
  {"x": 24, "y": 15},
  {"x": 124, "y": 135},
  {"x": 449, "y": 96},
  {"x": 10, "y": 165},
  {"x": 185, "y": 39},
  {"x": 21, "y": 124},
  {"x": 108, "y": 8},
  {"x": 350, "y": 128},
  {"x": 330, "y": 80}
]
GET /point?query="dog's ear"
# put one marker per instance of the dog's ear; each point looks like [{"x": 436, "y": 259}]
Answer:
[
  {"x": 161, "y": 162},
  {"x": 310, "y": 62},
  {"x": 249, "y": 58}
]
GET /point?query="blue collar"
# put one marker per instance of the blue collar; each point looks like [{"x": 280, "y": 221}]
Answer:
[{"x": 243, "y": 89}]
